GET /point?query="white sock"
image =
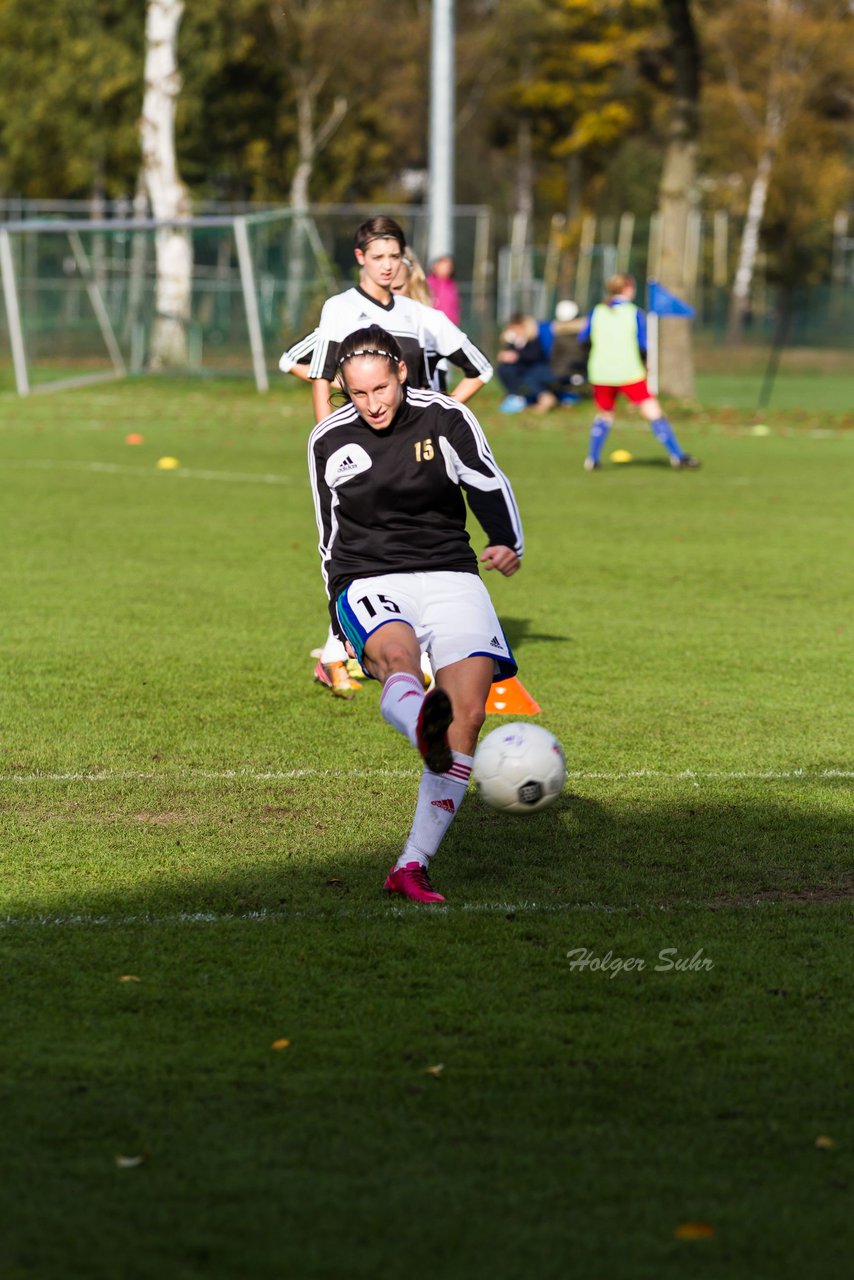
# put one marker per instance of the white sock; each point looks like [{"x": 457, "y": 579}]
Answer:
[
  {"x": 439, "y": 798},
  {"x": 400, "y": 703},
  {"x": 333, "y": 650}
]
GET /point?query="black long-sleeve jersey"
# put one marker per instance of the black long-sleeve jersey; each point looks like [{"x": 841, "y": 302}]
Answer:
[{"x": 391, "y": 501}]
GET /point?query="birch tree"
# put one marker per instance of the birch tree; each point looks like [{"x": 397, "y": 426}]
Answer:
[
  {"x": 768, "y": 132},
  {"x": 170, "y": 199},
  {"x": 301, "y": 29},
  {"x": 776, "y": 63},
  {"x": 316, "y": 121}
]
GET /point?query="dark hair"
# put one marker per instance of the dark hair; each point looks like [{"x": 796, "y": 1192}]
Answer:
[
  {"x": 372, "y": 341},
  {"x": 379, "y": 228}
]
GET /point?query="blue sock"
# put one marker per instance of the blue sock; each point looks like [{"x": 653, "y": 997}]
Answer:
[
  {"x": 663, "y": 433},
  {"x": 598, "y": 436}
]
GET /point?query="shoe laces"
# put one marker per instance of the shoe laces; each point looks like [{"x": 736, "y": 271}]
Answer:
[{"x": 420, "y": 876}]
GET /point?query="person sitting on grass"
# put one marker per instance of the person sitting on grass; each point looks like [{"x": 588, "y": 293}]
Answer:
[
  {"x": 388, "y": 471},
  {"x": 523, "y": 368}
]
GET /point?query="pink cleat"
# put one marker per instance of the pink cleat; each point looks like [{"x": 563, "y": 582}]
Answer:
[
  {"x": 412, "y": 881},
  {"x": 431, "y": 732}
]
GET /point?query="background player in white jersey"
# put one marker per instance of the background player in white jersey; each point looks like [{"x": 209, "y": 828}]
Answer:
[
  {"x": 379, "y": 248},
  {"x": 410, "y": 282},
  {"x": 388, "y": 472}
]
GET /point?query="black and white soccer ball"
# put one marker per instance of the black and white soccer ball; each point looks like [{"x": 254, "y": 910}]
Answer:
[{"x": 519, "y": 768}]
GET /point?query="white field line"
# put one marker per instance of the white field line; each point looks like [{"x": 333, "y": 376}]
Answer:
[
  {"x": 380, "y": 910},
  {"x": 119, "y": 468},
  {"x": 376, "y": 912},
  {"x": 284, "y": 775}
]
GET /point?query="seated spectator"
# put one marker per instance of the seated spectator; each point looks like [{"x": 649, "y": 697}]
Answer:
[
  {"x": 523, "y": 367},
  {"x": 568, "y": 355}
]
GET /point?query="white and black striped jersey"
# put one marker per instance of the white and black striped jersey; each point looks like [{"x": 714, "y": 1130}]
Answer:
[
  {"x": 391, "y": 501},
  {"x": 425, "y": 336}
]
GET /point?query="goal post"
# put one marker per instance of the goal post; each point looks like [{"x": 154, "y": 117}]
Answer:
[
  {"x": 80, "y": 296},
  {"x": 13, "y": 315}
]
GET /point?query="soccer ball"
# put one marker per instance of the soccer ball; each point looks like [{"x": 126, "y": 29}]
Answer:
[{"x": 519, "y": 768}]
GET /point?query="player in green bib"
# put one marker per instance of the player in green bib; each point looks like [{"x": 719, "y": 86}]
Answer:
[{"x": 616, "y": 332}]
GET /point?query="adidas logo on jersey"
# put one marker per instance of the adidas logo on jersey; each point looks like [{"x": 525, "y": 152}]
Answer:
[
  {"x": 348, "y": 461},
  {"x": 447, "y": 805}
]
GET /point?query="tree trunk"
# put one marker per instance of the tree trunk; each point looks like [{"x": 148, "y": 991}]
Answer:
[
  {"x": 749, "y": 249},
  {"x": 169, "y": 197},
  {"x": 310, "y": 142},
  {"x": 678, "y": 179},
  {"x": 524, "y": 168}
]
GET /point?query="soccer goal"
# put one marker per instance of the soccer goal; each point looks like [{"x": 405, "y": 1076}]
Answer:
[{"x": 86, "y": 301}]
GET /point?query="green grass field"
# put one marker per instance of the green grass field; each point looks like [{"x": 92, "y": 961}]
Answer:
[{"x": 195, "y": 838}]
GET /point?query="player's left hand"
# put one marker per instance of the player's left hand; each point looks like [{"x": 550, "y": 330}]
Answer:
[{"x": 504, "y": 559}]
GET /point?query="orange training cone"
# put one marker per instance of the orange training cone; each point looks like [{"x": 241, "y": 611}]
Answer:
[{"x": 511, "y": 698}]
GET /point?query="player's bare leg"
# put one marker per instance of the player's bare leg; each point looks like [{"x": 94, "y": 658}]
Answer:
[{"x": 467, "y": 684}]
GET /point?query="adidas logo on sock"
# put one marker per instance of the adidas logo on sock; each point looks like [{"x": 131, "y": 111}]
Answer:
[{"x": 447, "y": 805}]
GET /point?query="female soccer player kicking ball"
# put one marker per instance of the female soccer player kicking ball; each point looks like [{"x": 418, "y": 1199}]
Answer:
[
  {"x": 385, "y": 296},
  {"x": 387, "y": 471}
]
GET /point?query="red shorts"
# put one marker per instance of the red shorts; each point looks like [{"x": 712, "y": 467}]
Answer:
[{"x": 606, "y": 397}]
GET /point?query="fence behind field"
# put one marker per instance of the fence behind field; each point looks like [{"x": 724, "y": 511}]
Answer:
[{"x": 81, "y": 295}]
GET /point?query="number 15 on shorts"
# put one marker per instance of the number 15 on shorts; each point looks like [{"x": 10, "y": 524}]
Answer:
[{"x": 375, "y": 606}]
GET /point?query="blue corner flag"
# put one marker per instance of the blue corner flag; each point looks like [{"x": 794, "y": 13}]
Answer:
[{"x": 664, "y": 303}]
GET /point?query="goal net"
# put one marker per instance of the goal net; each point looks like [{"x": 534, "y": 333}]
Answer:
[{"x": 85, "y": 301}]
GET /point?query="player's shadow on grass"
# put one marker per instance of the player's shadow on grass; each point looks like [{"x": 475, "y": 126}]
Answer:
[
  {"x": 697, "y": 846},
  {"x": 697, "y": 849},
  {"x": 518, "y": 632}
]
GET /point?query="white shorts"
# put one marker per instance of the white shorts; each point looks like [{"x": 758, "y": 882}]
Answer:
[{"x": 451, "y": 614}]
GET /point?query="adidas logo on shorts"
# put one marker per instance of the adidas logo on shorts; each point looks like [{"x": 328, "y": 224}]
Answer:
[{"x": 495, "y": 643}]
